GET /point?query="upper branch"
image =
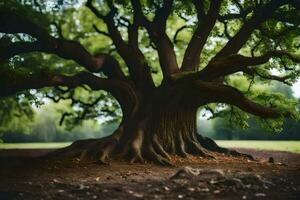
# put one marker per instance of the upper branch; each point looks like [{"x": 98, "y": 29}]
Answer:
[
  {"x": 260, "y": 15},
  {"x": 157, "y": 32},
  {"x": 162, "y": 14},
  {"x": 46, "y": 43},
  {"x": 225, "y": 66},
  {"x": 206, "y": 23},
  {"x": 135, "y": 60}
]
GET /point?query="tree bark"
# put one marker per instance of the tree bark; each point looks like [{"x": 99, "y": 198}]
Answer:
[{"x": 162, "y": 124}]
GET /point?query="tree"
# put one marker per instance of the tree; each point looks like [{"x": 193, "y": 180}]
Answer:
[{"x": 230, "y": 38}]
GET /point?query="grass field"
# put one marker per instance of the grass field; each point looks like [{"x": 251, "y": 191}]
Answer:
[{"x": 291, "y": 146}]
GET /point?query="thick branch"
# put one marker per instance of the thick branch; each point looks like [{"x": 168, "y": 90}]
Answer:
[
  {"x": 225, "y": 66},
  {"x": 157, "y": 33},
  {"x": 206, "y": 23},
  {"x": 13, "y": 82},
  {"x": 219, "y": 93},
  {"x": 46, "y": 43},
  {"x": 135, "y": 60},
  {"x": 162, "y": 14}
]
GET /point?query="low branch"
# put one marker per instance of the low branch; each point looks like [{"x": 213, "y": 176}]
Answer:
[
  {"x": 219, "y": 93},
  {"x": 123, "y": 91}
]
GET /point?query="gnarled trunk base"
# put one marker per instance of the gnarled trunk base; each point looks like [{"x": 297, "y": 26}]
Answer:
[{"x": 154, "y": 134}]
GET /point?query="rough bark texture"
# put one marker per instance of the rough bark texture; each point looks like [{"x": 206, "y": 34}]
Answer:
[{"x": 162, "y": 124}]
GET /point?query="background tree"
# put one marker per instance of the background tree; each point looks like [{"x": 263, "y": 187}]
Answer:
[{"x": 133, "y": 50}]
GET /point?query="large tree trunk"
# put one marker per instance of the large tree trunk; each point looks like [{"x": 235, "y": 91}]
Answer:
[{"x": 163, "y": 123}]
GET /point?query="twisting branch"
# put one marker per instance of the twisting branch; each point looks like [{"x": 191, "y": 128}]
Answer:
[
  {"x": 100, "y": 32},
  {"x": 242, "y": 14},
  {"x": 260, "y": 15},
  {"x": 219, "y": 93},
  {"x": 157, "y": 33},
  {"x": 162, "y": 14},
  {"x": 235, "y": 63},
  {"x": 206, "y": 23},
  {"x": 135, "y": 60},
  {"x": 48, "y": 44},
  {"x": 175, "y": 40},
  {"x": 123, "y": 91},
  {"x": 284, "y": 79}
]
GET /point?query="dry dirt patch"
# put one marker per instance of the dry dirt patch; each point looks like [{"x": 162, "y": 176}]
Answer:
[{"x": 25, "y": 177}]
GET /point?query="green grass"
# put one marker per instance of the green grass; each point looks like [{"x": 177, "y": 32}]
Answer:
[
  {"x": 35, "y": 145},
  {"x": 292, "y": 146}
]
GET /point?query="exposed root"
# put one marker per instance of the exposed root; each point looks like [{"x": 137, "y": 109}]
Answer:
[
  {"x": 181, "y": 147},
  {"x": 211, "y": 145},
  {"x": 140, "y": 148},
  {"x": 157, "y": 146},
  {"x": 157, "y": 158},
  {"x": 99, "y": 150}
]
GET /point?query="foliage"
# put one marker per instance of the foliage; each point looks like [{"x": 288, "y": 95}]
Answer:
[{"x": 73, "y": 21}]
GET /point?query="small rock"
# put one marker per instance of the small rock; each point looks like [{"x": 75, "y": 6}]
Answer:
[
  {"x": 130, "y": 191},
  {"x": 189, "y": 171},
  {"x": 260, "y": 195},
  {"x": 180, "y": 196},
  {"x": 244, "y": 197},
  {"x": 97, "y": 179},
  {"x": 166, "y": 188},
  {"x": 138, "y": 195},
  {"x": 217, "y": 192},
  {"x": 81, "y": 187},
  {"x": 191, "y": 189},
  {"x": 185, "y": 172},
  {"x": 213, "y": 181},
  {"x": 56, "y": 181},
  {"x": 204, "y": 189}
]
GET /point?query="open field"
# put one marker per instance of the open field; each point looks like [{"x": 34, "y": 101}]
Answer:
[
  {"x": 291, "y": 146},
  {"x": 35, "y": 145}
]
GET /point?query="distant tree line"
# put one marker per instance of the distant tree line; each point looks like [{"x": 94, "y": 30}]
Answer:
[{"x": 219, "y": 131}]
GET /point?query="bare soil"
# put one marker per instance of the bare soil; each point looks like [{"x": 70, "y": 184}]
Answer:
[{"x": 24, "y": 175}]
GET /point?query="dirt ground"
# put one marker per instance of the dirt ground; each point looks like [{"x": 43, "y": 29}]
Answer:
[{"x": 25, "y": 176}]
